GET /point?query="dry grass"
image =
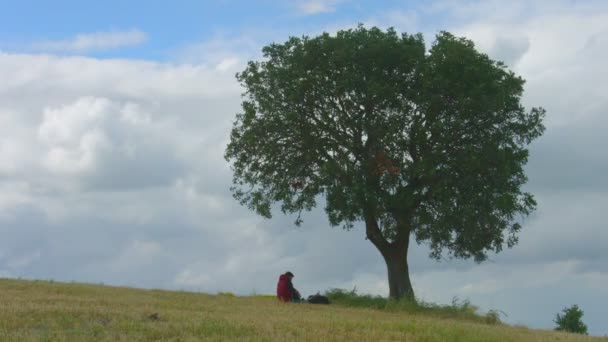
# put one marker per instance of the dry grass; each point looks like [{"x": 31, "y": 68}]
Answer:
[{"x": 49, "y": 311}]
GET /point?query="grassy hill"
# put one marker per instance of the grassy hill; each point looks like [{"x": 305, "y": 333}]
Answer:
[{"x": 51, "y": 311}]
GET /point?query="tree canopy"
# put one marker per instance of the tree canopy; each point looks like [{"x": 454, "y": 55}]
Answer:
[{"x": 410, "y": 141}]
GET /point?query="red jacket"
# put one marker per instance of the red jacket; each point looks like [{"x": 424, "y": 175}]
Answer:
[{"x": 284, "y": 289}]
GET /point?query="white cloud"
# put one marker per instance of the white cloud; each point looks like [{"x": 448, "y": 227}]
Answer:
[
  {"x": 86, "y": 42},
  {"x": 22, "y": 261},
  {"x": 310, "y": 7},
  {"x": 401, "y": 20},
  {"x": 227, "y": 64},
  {"x": 72, "y": 135},
  {"x": 10, "y": 152},
  {"x": 223, "y": 52},
  {"x": 72, "y": 123},
  {"x": 137, "y": 254},
  {"x": 191, "y": 279}
]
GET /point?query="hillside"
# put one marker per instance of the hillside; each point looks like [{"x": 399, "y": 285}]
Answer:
[{"x": 43, "y": 310}]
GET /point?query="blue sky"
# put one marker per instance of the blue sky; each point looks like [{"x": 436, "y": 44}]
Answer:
[
  {"x": 170, "y": 26},
  {"x": 114, "y": 117}
]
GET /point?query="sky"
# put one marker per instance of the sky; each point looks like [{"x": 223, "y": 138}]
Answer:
[{"x": 114, "y": 117}]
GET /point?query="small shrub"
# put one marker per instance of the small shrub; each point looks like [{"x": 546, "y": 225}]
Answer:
[
  {"x": 459, "y": 309},
  {"x": 571, "y": 320},
  {"x": 493, "y": 316},
  {"x": 352, "y": 299}
]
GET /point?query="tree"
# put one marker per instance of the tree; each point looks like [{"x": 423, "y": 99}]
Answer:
[
  {"x": 420, "y": 144},
  {"x": 571, "y": 320}
]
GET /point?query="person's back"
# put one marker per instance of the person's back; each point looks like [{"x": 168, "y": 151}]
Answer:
[{"x": 285, "y": 287}]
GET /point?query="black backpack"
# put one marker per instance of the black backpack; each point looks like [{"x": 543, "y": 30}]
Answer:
[{"x": 318, "y": 299}]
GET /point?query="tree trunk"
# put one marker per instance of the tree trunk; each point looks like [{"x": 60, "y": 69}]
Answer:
[
  {"x": 395, "y": 256},
  {"x": 398, "y": 273}
]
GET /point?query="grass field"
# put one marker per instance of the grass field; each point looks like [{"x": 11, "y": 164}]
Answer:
[{"x": 52, "y": 311}]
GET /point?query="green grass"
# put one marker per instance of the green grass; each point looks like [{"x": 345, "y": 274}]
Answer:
[
  {"x": 460, "y": 310},
  {"x": 54, "y": 311}
]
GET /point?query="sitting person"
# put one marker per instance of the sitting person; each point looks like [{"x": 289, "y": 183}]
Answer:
[{"x": 285, "y": 290}]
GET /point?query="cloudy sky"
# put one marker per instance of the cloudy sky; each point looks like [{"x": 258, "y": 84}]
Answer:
[{"x": 114, "y": 117}]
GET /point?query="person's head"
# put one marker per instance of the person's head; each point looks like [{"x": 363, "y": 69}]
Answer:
[{"x": 289, "y": 274}]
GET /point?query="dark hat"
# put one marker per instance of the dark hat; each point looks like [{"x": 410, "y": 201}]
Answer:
[{"x": 289, "y": 274}]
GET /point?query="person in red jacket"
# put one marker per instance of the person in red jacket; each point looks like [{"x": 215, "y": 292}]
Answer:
[{"x": 285, "y": 290}]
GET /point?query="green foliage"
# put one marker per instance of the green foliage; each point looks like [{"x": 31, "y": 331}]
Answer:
[
  {"x": 353, "y": 299},
  {"x": 407, "y": 141},
  {"x": 571, "y": 320},
  {"x": 462, "y": 310}
]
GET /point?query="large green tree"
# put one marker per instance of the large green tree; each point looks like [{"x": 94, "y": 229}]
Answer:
[{"x": 413, "y": 143}]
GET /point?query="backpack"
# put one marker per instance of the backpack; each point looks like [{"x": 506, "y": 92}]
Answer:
[{"x": 318, "y": 299}]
